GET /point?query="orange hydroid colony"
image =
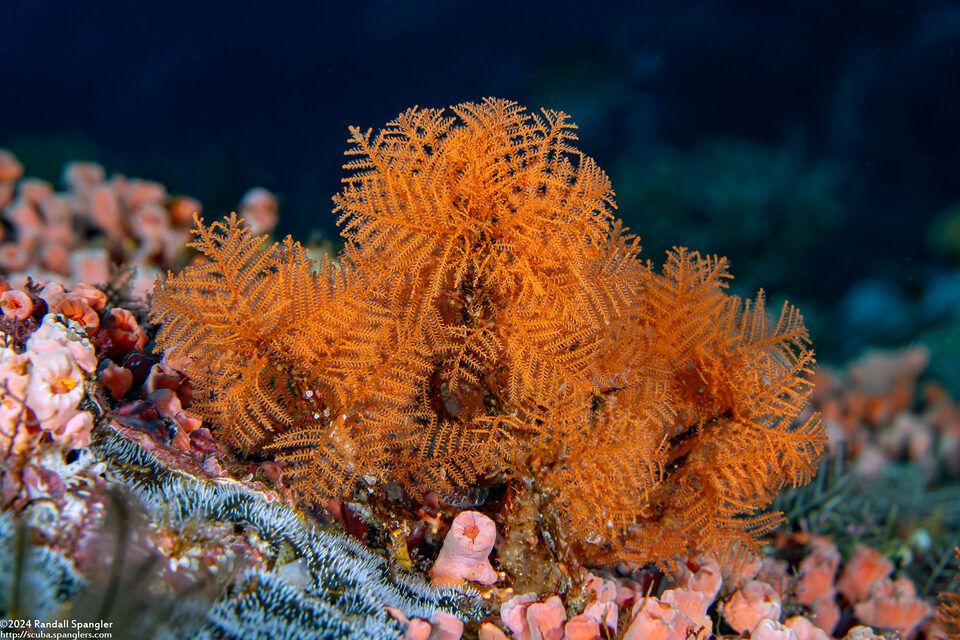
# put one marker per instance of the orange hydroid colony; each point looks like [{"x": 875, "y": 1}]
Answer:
[{"x": 490, "y": 321}]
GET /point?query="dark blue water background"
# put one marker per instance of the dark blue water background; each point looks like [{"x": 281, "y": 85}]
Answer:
[{"x": 212, "y": 98}]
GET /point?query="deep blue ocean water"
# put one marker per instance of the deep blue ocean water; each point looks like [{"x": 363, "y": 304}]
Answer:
[{"x": 814, "y": 143}]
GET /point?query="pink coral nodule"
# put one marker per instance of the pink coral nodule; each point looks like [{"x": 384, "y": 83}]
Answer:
[
  {"x": 546, "y": 619},
  {"x": 865, "y": 567},
  {"x": 465, "y": 551},
  {"x": 653, "y": 619},
  {"x": 124, "y": 332},
  {"x": 893, "y": 604},
  {"x": 750, "y": 604},
  {"x": 770, "y": 630},
  {"x": 16, "y": 305}
]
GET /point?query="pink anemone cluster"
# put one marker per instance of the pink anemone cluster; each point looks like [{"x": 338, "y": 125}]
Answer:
[
  {"x": 823, "y": 593},
  {"x": 95, "y": 224},
  {"x": 42, "y": 387},
  {"x": 98, "y": 223},
  {"x": 827, "y": 590},
  {"x": 56, "y": 346},
  {"x": 529, "y": 619},
  {"x": 880, "y": 414}
]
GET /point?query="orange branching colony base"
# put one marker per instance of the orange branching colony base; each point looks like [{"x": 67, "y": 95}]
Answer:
[
  {"x": 948, "y": 611},
  {"x": 489, "y": 319}
]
